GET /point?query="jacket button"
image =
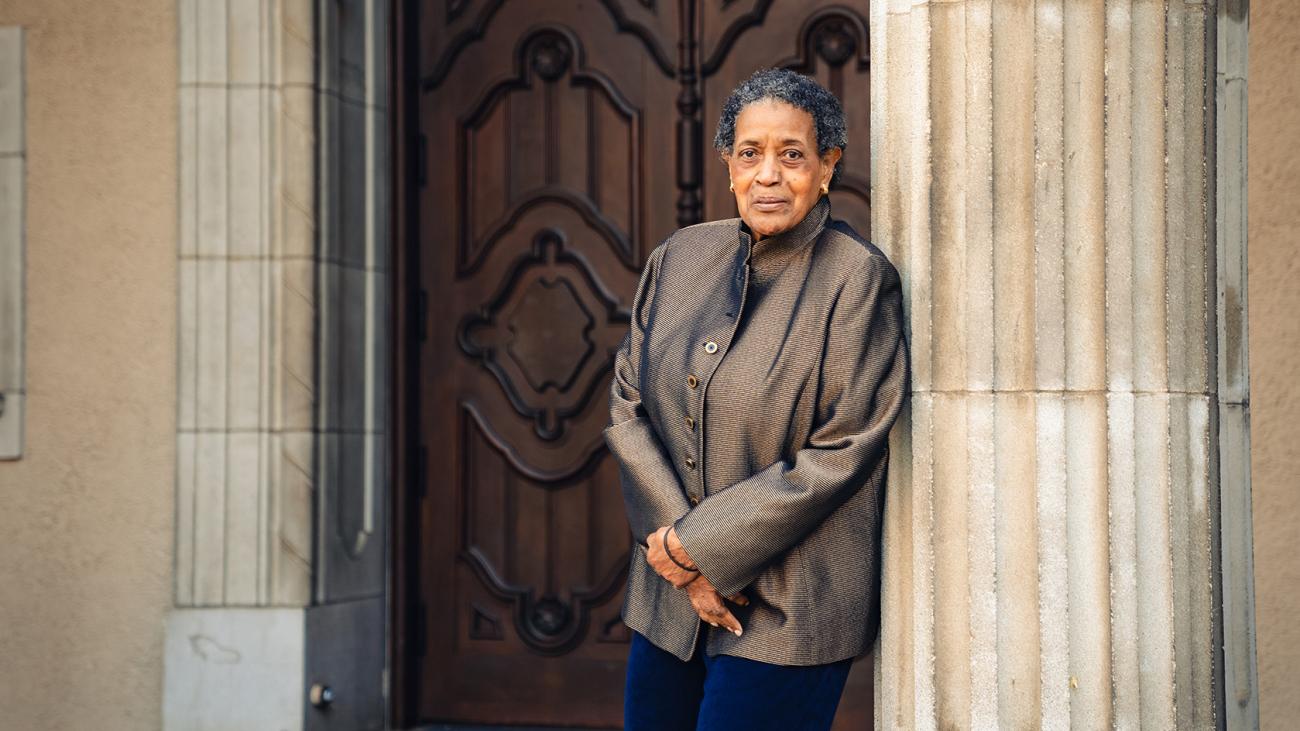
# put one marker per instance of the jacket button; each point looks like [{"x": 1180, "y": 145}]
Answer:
[
  {"x": 695, "y": 500},
  {"x": 690, "y": 423},
  {"x": 690, "y": 463},
  {"x": 710, "y": 347},
  {"x": 692, "y": 381}
]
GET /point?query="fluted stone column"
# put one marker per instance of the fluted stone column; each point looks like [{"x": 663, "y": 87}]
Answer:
[{"x": 1044, "y": 180}]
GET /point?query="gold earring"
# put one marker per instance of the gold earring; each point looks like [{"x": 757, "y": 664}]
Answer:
[
  {"x": 731, "y": 185},
  {"x": 826, "y": 189}
]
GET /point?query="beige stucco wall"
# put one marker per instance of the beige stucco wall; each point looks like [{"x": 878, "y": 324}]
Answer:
[
  {"x": 86, "y": 557},
  {"x": 1273, "y": 189}
]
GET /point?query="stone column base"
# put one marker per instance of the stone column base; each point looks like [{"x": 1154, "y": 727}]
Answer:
[{"x": 234, "y": 668}]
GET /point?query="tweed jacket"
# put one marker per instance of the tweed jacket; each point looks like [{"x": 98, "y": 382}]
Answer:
[{"x": 750, "y": 408}]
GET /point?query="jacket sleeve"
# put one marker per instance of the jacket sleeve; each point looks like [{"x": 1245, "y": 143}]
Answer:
[
  {"x": 652, "y": 491},
  {"x": 734, "y": 533}
]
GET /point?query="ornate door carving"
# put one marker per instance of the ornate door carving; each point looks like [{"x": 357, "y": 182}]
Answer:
[
  {"x": 556, "y": 144},
  {"x": 547, "y": 153}
]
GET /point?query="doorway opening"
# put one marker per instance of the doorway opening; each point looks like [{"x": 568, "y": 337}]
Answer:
[{"x": 541, "y": 151}]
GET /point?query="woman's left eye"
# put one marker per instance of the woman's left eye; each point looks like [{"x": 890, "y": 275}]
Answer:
[{"x": 793, "y": 154}]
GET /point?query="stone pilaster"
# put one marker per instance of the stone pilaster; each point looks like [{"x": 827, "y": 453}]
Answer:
[
  {"x": 280, "y": 524},
  {"x": 1044, "y": 180},
  {"x": 248, "y": 303}
]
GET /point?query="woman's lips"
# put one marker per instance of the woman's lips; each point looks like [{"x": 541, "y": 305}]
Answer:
[{"x": 769, "y": 204}]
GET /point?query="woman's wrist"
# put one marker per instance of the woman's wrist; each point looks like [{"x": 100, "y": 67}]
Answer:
[{"x": 668, "y": 550}]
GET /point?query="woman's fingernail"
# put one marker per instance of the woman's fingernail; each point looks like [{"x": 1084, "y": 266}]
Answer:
[{"x": 737, "y": 633}]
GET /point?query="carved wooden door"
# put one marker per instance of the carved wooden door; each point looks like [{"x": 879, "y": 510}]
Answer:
[{"x": 558, "y": 143}]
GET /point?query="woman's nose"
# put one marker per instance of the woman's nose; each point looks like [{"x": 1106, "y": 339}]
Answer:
[{"x": 769, "y": 171}]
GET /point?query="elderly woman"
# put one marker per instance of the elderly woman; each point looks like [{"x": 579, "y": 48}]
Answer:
[{"x": 750, "y": 409}]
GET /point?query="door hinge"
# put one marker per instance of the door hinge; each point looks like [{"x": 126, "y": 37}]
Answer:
[{"x": 422, "y": 160}]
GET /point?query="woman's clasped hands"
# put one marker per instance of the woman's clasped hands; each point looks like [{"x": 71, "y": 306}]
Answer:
[{"x": 669, "y": 559}]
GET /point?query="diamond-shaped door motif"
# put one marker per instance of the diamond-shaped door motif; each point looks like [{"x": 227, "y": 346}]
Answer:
[
  {"x": 549, "y": 334},
  {"x": 542, "y": 332}
]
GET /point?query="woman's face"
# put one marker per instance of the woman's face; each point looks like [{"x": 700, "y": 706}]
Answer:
[{"x": 774, "y": 166}]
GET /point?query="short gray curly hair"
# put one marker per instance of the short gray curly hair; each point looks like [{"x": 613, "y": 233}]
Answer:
[{"x": 798, "y": 91}]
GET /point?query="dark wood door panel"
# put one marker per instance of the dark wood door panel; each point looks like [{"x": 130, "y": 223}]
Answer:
[
  {"x": 547, "y": 141},
  {"x": 655, "y": 23}
]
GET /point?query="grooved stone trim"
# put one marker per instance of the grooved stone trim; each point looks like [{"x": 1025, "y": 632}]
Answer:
[
  {"x": 13, "y": 157},
  {"x": 352, "y": 326},
  {"x": 1240, "y": 672}
]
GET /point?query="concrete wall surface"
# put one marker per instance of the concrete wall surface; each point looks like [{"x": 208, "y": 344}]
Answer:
[
  {"x": 1274, "y": 290},
  {"x": 86, "y": 560}
]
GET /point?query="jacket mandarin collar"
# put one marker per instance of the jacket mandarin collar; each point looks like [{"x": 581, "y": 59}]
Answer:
[{"x": 792, "y": 239}]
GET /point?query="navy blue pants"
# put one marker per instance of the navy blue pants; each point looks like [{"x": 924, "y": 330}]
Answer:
[{"x": 723, "y": 692}]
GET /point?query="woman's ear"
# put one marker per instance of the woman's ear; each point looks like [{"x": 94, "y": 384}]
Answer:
[{"x": 829, "y": 160}]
